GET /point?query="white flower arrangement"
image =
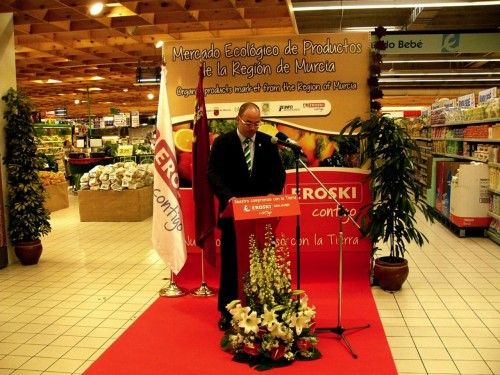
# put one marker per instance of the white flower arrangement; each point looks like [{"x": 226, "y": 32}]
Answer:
[{"x": 278, "y": 325}]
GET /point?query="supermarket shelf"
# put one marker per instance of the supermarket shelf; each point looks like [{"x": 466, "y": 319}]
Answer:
[
  {"x": 422, "y": 139},
  {"x": 58, "y": 126},
  {"x": 465, "y": 123},
  {"x": 459, "y": 157},
  {"x": 494, "y": 165},
  {"x": 479, "y": 140},
  {"x": 495, "y": 191},
  {"x": 494, "y": 215},
  {"x": 121, "y": 127},
  {"x": 493, "y": 236}
]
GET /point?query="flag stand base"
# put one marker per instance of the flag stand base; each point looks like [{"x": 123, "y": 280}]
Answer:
[
  {"x": 203, "y": 291},
  {"x": 172, "y": 290}
]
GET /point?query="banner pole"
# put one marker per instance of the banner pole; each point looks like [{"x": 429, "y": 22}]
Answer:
[
  {"x": 171, "y": 290},
  {"x": 203, "y": 290}
]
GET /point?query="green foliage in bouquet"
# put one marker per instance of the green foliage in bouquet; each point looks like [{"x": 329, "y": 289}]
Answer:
[{"x": 278, "y": 325}]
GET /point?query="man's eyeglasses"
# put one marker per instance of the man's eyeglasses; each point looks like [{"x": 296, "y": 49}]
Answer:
[{"x": 250, "y": 123}]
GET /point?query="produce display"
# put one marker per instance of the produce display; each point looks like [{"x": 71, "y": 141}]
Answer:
[
  {"x": 118, "y": 176},
  {"x": 52, "y": 146},
  {"x": 51, "y": 178}
]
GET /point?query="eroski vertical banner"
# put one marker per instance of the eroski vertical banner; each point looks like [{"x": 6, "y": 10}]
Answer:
[{"x": 168, "y": 230}]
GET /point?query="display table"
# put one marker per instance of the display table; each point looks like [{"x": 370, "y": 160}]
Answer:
[
  {"x": 56, "y": 197},
  {"x": 109, "y": 205},
  {"x": 78, "y": 167}
]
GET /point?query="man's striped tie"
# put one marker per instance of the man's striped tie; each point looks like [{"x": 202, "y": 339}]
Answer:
[{"x": 248, "y": 153}]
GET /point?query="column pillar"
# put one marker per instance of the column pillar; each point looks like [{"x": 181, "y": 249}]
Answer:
[{"x": 8, "y": 74}]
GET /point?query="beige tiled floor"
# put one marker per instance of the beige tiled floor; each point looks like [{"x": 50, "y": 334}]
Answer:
[{"x": 95, "y": 279}]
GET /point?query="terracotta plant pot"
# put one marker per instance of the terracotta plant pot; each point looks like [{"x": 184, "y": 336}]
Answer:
[
  {"x": 391, "y": 272},
  {"x": 28, "y": 252}
]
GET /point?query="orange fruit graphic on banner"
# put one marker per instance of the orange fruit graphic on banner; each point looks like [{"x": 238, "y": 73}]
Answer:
[{"x": 183, "y": 140}]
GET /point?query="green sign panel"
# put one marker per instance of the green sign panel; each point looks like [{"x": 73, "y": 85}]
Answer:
[{"x": 441, "y": 43}]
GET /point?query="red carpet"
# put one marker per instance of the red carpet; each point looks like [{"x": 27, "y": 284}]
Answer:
[{"x": 180, "y": 336}]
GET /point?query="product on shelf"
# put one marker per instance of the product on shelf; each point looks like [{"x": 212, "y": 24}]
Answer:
[{"x": 492, "y": 108}]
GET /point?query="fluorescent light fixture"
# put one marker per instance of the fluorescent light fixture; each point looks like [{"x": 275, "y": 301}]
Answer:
[
  {"x": 370, "y": 28},
  {"x": 148, "y": 81},
  {"x": 152, "y": 83},
  {"x": 90, "y": 89},
  {"x": 410, "y": 80},
  {"x": 353, "y": 5},
  {"x": 391, "y": 74},
  {"x": 389, "y": 61}
]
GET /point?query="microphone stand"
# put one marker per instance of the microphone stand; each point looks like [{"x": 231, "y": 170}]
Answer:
[
  {"x": 296, "y": 152},
  {"x": 339, "y": 330}
]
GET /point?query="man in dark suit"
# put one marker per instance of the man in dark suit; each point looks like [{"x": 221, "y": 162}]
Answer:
[{"x": 242, "y": 163}]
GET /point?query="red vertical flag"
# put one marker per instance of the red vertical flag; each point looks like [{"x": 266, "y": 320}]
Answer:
[{"x": 204, "y": 214}]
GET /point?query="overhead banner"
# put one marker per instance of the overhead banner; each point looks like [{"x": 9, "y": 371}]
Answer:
[
  {"x": 441, "y": 43},
  {"x": 318, "y": 81}
]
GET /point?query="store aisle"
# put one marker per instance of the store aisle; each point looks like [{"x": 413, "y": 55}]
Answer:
[{"x": 95, "y": 279}]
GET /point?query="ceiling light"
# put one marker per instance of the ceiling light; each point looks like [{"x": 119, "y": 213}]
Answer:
[
  {"x": 151, "y": 96},
  {"x": 96, "y": 8},
  {"x": 90, "y": 89},
  {"x": 77, "y": 101},
  {"x": 50, "y": 80},
  {"x": 159, "y": 44},
  {"x": 125, "y": 90},
  {"x": 338, "y": 5},
  {"x": 96, "y": 78}
]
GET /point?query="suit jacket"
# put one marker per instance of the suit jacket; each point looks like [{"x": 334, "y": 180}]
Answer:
[{"x": 228, "y": 174}]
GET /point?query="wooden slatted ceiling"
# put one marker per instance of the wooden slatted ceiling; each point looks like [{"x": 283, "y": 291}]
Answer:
[{"x": 60, "y": 40}]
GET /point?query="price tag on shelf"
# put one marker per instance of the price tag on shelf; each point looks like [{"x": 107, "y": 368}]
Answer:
[{"x": 125, "y": 150}]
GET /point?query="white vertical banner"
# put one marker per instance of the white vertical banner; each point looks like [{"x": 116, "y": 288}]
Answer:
[{"x": 168, "y": 230}]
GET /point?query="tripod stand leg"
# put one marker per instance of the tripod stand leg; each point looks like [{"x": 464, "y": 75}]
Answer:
[
  {"x": 346, "y": 342},
  {"x": 339, "y": 331}
]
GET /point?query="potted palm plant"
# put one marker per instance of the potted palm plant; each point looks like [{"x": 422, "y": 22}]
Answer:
[
  {"x": 28, "y": 219},
  {"x": 396, "y": 194}
]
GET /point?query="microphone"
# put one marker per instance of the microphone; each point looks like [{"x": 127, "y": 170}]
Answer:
[
  {"x": 285, "y": 138},
  {"x": 287, "y": 143}
]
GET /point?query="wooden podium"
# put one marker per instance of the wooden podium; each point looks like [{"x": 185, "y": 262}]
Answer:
[{"x": 250, "y": 216}]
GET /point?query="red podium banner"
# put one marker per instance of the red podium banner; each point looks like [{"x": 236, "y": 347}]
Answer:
[{"x": 263, "y": 207}]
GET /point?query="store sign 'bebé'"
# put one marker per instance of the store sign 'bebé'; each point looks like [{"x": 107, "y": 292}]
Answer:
[{"x": 318, "y": 81}]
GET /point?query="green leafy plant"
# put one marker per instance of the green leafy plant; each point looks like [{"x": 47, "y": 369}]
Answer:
[
  {"x": 28, "y": 219},
  {"x": 396, "y": 192},
  {"x": 278, "y": 325}
]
